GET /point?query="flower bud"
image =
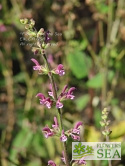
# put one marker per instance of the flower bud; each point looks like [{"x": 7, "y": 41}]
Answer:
[
  {"x": 102, "y": 123},
  {"x": 28, "y": 26},
  {"x": 40, "y": 33},
  {"x": 24, "y": 21},
  {"x": 32, "y": 34},
  {"x": 32, "y": 22},
  {"x": 36, "y": 50},
  {"x": 106, "y": 132},
  {"x": 104, "y": 117},
  {"x": 45, "y": 70},
  {"x": 107, "y": 123},
  {"x": 109, "y": 132},
  {"x": 43, "y": 51},
  {"x": 38, "y": 44},
  {"x": 47, "y": 45},
  {"x": 43, "y": 45},
  {"x": 105, "y": 111}
]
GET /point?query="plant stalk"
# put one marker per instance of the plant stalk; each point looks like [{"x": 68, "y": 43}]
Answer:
[{"x": 59, "y": 114}]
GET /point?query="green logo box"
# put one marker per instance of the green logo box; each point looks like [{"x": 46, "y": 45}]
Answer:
[{"x": 96, "y": 150}]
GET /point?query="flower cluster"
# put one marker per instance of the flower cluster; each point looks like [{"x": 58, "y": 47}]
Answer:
[
  {"x": 65, "y": 94},
  {"x": 73, "y": 133},
  {"x": 105, "y": 122},
  {"x": 51, "y": 132},
  {"x": 42, "y": 36},
  {"x": 43, "y": 41},
  {"x": 43, "y": 70},
  {"x": 75, "y": 163}
]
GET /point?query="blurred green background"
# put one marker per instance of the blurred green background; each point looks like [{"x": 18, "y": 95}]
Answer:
[{"x": 89, "y": 40}]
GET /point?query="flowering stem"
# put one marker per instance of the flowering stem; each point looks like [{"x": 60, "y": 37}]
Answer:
[{"x": 59, "y": 114}]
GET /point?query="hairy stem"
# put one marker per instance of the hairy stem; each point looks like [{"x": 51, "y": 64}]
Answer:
[
  {"x": 106, "y": 62},
  {"x": 59, "y": 114}
]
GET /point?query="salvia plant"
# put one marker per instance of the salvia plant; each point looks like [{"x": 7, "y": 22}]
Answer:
[
  {"x": 53, "y": 99},
  {"x": 105, "y": 122}
]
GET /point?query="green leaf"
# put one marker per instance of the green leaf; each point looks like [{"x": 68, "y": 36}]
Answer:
[
  {"x": 21, "y": 142},
  {"x": 97, "y": 81},
  {"x": 82, "y": 101},
  {"x": 103, "y": 8},
  {"x": 49, "y": 143},
  {"x": 73, "y": 43},
  {"x": 83, "y": 45},
  {"x": 79, "y": 63},
  {"x": 118, "y": 113},
  {"x": 91, "y": 134},
  {"x": 38, "y": 145},
  {"x": 97, "y": 118},
  {"x": 118, "y": 130}
]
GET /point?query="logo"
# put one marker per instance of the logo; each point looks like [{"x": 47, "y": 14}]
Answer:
[{"x": 96, "y": 150}]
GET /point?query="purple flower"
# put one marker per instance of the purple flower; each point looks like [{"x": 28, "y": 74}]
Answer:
[
  {"x": 37, "y": 67},
  {"x": 77, "y": 125},
  {"x": 81, "y": 161},
  {"x": 47, "y": 38},
  {"x": 47, "y": 132},
  {"x": 55, "y": 125},
  {"x": 59, "y": 104},
  {"x": 45, "y": 101},
  {"x": 74, "y": 133},
  {"x": 63, "y": 138},
  {"x": 70, "y": 93},
  {"x": 48, "y": 102},
  {"x": 63, "y": 157},
  {"x": 76, "y": 129},
  {"x": 51, "y": 163},
  {"x": 75, "y": 137},
  {"x": 60, "y": 70},
  {"x": 64, "y": 89},
  {"x": 50, "y": 93},
  {"x": 65, "y": 94}
]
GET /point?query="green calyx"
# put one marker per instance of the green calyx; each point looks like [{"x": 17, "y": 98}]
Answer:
[
  {"x": 106, "y": 132},
  {"x": 24, "y": 21},
  {"x": 104, "y": 117},
  {"x": 102, "y": 124}
]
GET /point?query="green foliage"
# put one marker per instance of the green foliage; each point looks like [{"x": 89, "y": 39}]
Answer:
[
  {"x": 79, "y": 63},
  {"x": 21, "y": 143},
  {"x": 97, "y": 81},
  {"x": 118, "y": 130},
  {"x": 97, "y": 117},
  {"x": 83, "y": 50},
  {"x": 82, "y": 101},
  {"x": 38, "y": 145}
]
